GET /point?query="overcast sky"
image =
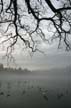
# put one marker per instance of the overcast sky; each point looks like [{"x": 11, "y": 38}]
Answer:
[{"x": 52, "y": 57}]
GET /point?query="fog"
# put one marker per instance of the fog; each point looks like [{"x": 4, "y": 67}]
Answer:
[{"x": 50, "y": 88}]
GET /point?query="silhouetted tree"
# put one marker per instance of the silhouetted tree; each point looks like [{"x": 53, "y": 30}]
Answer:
[
  {"x": 1, "y": 67},
  {"x": 27, "y": 19}
]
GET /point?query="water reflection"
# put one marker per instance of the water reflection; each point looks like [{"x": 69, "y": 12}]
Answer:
[{"x": 27, "y": 91}]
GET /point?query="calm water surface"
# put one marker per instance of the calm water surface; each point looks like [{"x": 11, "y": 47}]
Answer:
[{"x": 35, "y": 91}]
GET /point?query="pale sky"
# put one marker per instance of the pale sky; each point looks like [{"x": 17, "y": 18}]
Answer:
[{"x": 52, "y": 57}]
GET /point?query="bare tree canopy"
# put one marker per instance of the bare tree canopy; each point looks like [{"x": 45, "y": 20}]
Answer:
[{"x": 28, "y": 19}]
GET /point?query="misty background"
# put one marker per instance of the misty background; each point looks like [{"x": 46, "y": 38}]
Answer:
[{"x": 51, "y": 58}]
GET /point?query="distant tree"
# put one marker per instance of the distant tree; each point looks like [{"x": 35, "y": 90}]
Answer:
[
  {"x": 1, "y": 67},
  {"x": 19, "y": 69},
  {"x": 26, "y": 70},
  {"x": 26, "y": 20}
]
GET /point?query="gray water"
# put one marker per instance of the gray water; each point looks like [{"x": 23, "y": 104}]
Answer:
[{"x": 36, "y": 90}]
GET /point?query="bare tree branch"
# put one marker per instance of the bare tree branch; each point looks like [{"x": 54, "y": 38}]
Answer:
[{"x": 23, "y": 19}]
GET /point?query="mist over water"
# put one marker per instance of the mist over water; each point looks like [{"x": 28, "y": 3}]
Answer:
[{"x": 38, "y": 89}]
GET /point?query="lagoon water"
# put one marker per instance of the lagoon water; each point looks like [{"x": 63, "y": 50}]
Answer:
[{"x": 36, "y": 90}]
